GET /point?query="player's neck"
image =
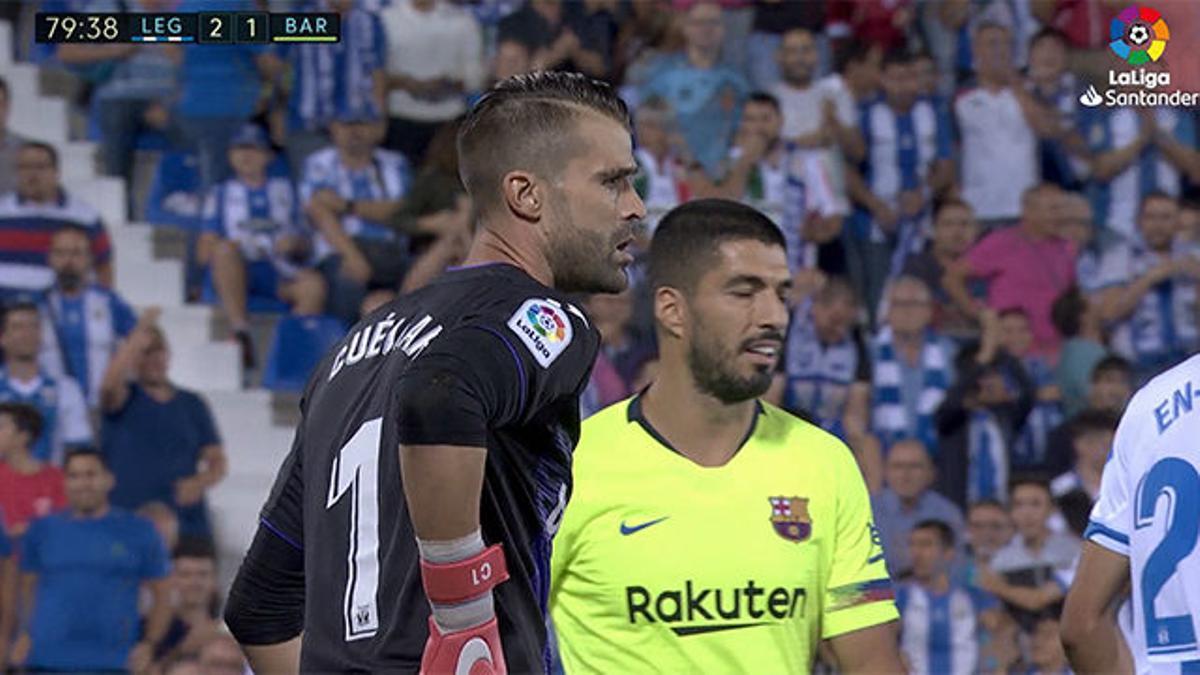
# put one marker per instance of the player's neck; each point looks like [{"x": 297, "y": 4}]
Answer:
[
  {"x": 700, "y": 427},
  {"x": 491, "y": 246}
]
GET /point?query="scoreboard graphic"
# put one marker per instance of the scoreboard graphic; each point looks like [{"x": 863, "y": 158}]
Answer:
[{"x": 196, "y": 27}]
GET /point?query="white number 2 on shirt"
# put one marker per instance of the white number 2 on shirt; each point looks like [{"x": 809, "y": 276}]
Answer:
[{"x": 356, "y": 470}]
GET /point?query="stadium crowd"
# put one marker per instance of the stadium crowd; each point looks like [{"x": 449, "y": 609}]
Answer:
[{"x": 984, "y": 272}]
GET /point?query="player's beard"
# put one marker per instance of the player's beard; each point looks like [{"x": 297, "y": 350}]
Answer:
[
  {"x": 711, "y": 365},
  {"x": 581, "y": 259}
]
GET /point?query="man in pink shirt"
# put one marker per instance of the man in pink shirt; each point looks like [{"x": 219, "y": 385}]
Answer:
[{"x": 1025, "y": 266}]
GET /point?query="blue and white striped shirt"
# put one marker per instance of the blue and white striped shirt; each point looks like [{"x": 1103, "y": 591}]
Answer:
[
  {"x": 81, "y": 334},
  {"x": 387, "y": 177},
  {"x": 1117, "y": 201},
  {"x": 326, "y": 76},
  {"x": 939, "y": 632}
]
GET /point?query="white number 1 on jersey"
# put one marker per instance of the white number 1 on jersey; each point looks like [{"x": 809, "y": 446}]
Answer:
[{"x": 356, "y": 469}]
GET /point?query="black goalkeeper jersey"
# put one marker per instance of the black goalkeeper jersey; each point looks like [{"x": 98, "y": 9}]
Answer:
[{"x": 526, "y": 352}]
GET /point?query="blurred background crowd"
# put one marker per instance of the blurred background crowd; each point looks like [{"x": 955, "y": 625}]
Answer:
[{"x": 985, "y": 270}]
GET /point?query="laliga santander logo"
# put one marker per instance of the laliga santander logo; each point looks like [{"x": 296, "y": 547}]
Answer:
[
  {"x": 546, "y": 322},
  {"x": 1139, "y": 35}
]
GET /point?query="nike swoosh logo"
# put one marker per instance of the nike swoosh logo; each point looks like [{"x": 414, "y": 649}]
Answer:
[
  {"x": 628, "y": 530},
  {"x": 700, "y": 630}
]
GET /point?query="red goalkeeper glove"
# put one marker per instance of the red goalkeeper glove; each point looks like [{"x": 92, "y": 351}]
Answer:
[{"x": 475, "y": 650}]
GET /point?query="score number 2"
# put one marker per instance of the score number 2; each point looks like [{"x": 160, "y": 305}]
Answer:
[{"x": 1177, "y": 480}]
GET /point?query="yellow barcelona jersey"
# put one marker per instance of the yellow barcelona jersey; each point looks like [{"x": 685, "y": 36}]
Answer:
[{"x": 664, "y": 566}]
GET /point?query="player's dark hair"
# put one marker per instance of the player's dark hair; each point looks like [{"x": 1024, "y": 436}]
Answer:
[
  {"x": 835, "y": 288},
  {"x": 1091, "y": 421},
  {"x": 765, "y": 98},
  {"x": 15, "y": 308},
  {"x": 1076, "y": 507},
  {"x": 195, "y": 547},
  {"x": 85, "y": 451},
  {"x": 26, "y": 418},
  {"x": 1036, "y": 480},
  {"x": 1067, "y": 311},
  {"x": 1112, "y": 364},
  {"x": 523, "y": 122},
  {"x": 689, "y": 236},
  {"x": 944, "y": 531},
  {"x": 44, "y": 147},
  {"x": 1048, "y": 33}
]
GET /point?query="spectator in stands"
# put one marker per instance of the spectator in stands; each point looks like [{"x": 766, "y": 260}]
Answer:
[
  {"x": 827, "y": 371},
  {"x": 84, "y": 321},
  {"x": 1027, "y": 266},
  {"x": 788, "y": 184},
  {"x": 882, "y": 23},
  {"x": 159, "y": 440},
  {"x": 29, "y": 489},
  {"x": 31, "y": 215},
  {"x": 1110, "y": 388},
  {"x": 623, "y": 349},
  {"x": 1046, "y": 655},
  {"x": 434, "y": 59},
  {"x": 350, "y": 192},
  {"x": 1092, "y": 434},
  {"x": 817, "y": 113},
  {"x": 1061, "y": 152},
  {"x": 663, "y": 181},
  {"x": 954, "y": 231},
  {"x": 1150, "y": 291},
  {"x": 58, "y": 400},
  {"x": 165, "y": 522},
  {"x": 859, "y": 67},
  {"x": 324, "y": 74},
  {"x": 1032, "y": 572},
  {"x": 553, "y": 37},
  {"x": 907, "y": 501},
  {"x": 8, "y": 594},
  {"x": 912, "y": 368},
  {"x": 939, "y": 619},
  {"x": 82, "y": 569},
  {"x": 1077, "y": 225},
  {"x": 1030, "y": 450},
  {"x": 220, "y": 86},
  {"x": 511, "y": 58},
  {"x": 989, "y": 529},
  {"x": 1137, "y": 152},
  {"x": 907, "y": 162},
  {"x": 253, "y": 242},
  {"x": 705, "y": 95},
  {"x": 10, "y": 142},
  {"x": 980, "y": 417},
  {"x": 194, "y": 621},
  {"x": 996, "y": 122},
  {"x": 134, "y": 94},
  {"x": 1077, "y": 319}
]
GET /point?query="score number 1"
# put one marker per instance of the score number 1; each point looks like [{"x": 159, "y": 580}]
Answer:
[{"x": 252, "y": 28}]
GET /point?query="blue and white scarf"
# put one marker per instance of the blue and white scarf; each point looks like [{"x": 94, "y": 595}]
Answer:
[
  {"x": 889, "y": 415},
  {"x": 987, "y": 458},
  {"x": 1029, "y": 450}
]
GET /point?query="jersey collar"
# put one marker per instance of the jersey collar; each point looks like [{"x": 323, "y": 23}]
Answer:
[{"x": 633, "y": 413}]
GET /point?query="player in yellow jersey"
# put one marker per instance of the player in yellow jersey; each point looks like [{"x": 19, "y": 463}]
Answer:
[{"x": 709, "y": 532}]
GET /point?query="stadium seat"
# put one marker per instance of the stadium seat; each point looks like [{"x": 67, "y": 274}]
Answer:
[
  {"x": 300, "y": 342},
  {"x": 175, "y": 197}
]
